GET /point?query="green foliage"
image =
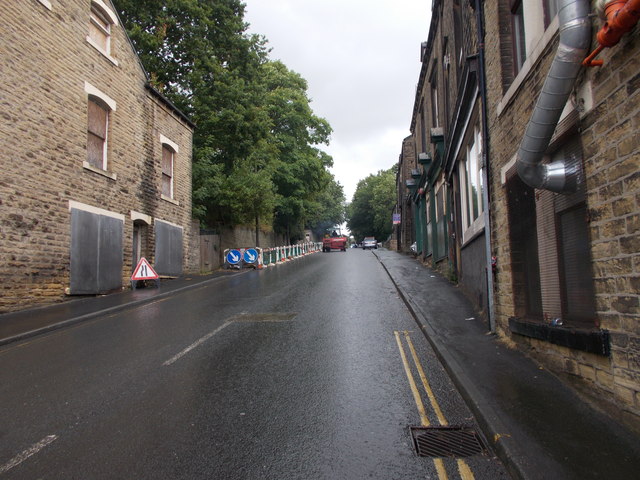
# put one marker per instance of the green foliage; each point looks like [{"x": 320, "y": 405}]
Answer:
[
  {"x": 369, "y": 213},
  {"x": 255, "y": 144}
]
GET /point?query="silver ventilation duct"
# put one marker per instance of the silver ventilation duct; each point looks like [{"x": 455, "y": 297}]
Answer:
[{"x": 575, "y": 37}]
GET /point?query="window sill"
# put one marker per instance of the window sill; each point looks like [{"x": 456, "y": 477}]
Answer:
[
  {"x": 170, "y": 200},
  {"x": 474, "y": 231},
  {"x": 104, "y": 54},
  {"x": 586, "y": 340},
  {"x": 87, "y": 166}
]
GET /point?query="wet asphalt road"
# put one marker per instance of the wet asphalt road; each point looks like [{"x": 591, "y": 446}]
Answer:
[{"x": 293, "y": 372}]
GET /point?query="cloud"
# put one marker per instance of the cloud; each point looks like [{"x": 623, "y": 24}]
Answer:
[{"x": 361, "y": 61}]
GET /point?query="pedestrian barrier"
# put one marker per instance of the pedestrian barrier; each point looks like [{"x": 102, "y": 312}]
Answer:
[{"x": 259, "y": 258}]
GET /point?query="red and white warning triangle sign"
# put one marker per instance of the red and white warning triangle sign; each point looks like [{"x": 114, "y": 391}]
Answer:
[{"x": 144, "y": 271}]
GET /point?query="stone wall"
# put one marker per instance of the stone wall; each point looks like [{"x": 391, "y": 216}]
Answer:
[
  {"x": 608, "y": 107},
  {"x": 612, "y": 169},
  {"x": 50, "y": 68}
]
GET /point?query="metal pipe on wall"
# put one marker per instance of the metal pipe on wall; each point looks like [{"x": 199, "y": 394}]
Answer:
[{"x": 575, "y": 37}]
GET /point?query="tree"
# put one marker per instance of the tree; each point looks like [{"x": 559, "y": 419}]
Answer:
[
  {"x": 255, "y": 158},
  {"x": 301, "y": 176},
  {"x": 369, "y": 213},
  {"x": 198, "y": 55}
]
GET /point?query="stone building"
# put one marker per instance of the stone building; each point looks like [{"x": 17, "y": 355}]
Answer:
[
  {"x": 448, "y": 133},
  {"x": 566, "y": 211},
  {"x": 405, "y": 182},
  {"x": 96, "y": 163},
  {"x": 539, "y": 185}
]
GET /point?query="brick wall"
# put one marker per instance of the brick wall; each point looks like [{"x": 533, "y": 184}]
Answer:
[
  {"x": 608, "y": 133},
  {"x": 612, "y": 169},
  {"x": 44, "y": 129}
]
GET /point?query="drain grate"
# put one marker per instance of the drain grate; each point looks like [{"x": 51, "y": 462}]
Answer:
[{"x": 446, "y": 441}]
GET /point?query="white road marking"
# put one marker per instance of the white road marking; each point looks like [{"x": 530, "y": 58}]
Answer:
[
  {"x": 195, "y": 344},
  {"x": 18, "y": 459}
]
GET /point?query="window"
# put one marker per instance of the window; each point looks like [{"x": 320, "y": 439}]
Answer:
[
  {"x": 518, "y": 36},
  {"x": 169, "y": 151},
  {"x": 100, "y": 30},
  {"x": 551, "y": 250},
  {"x": 101, "y": 22},
  {"x": 98, "y": 126},
  {"x": 99, "y": 112},
  {"x": 434, "y": 100},
  {"x": 423, "y": 129},
  {"x": 457, "y": 33},
  {"x": 471, "y": 187},
  {"x": 167, "y": 171}
]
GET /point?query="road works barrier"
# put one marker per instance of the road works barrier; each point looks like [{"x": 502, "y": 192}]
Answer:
[{"x": 256, "y": 257}]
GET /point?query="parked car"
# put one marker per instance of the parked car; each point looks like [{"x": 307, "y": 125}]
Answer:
[{"x": 369, "y": 242}]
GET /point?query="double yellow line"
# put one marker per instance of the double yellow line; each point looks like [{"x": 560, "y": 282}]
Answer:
[{"x": 463, "y": 469}]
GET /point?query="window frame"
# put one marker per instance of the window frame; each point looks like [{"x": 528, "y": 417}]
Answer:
[
  {"x": 433, "y": 89},
  {"x": 472, "y": 221},
  {"x": 101, "y": 133},
  {"x": 173, "y": 148},
  {"x": 109, "y": 105},
  {"x": 518, "y": 35},
  {"x": 102, "y": 19}
]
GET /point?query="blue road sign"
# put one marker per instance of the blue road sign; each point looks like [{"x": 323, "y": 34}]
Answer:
[
  {"x": 233, "y": 257},
  {"x": 250, "y": 255}
]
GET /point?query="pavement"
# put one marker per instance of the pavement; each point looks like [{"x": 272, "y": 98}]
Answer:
[{"x": 538, "y": 426}]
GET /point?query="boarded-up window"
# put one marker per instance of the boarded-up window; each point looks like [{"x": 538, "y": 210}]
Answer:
[
  {"x": 96, "y": 253},
  {"x": 100, "y": 29},
  {"x": 168, "y": 248},
  {"x": 98, "y": 124},
  {"x": 167, "y": 171}
]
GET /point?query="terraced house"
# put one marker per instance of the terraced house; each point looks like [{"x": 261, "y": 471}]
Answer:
[
  {"x": 96, "y": 163},
  {"x": 525, "y": 188}
]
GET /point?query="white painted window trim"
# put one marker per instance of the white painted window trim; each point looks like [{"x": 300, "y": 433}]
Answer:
[
  {"x": 165, "y": 141},
  {"x": 96, "y": 210},
  {"x": 173, "y": 146},
  {"x": 474, "y": 228},
  {"x": 508, "y": 166},
  {"x": 140, "y": 216},
  {"x": 94, "y": 92},
  {"x": 112, "y": 18},
  {"x": 87, "y": 166},
  {"x": 169, "y": 199}
]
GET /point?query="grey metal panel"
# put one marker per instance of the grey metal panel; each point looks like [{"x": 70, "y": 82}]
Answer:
[
  {"x": 168, "y": 249},
  {"x": 110, "y": 254},
  {"x": 84, "y": 252},
  {"x": 96, "y": 253}
]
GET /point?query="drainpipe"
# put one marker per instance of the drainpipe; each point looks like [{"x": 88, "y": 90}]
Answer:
[
  {"x": 575, "y": 37},
  {"x": 485, "y": 163}
]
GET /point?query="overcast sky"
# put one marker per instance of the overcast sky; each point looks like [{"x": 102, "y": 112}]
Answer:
[{"x": 361, "y": 59}]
